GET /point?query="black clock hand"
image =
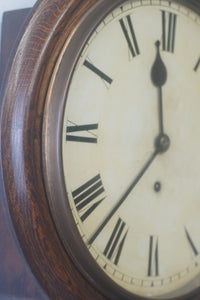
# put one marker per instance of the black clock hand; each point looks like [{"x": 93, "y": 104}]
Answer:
[
  {"x": 159, "y": 78},
  {"x": 125, "y": 195}
]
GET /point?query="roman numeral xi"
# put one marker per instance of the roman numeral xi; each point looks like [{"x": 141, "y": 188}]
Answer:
[
  {"x": 129, "y": 34},
  {"x": 88, "y": 197}
]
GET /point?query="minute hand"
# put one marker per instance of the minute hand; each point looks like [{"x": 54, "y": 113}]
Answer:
[{"x": 123, "y": 198}]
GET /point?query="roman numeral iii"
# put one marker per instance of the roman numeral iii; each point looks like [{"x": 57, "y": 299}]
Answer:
[
  {"x": 87, "y": 136},
  {"x": 129, "y": 34},
  {"x": 88, "y": 197},
  {"x": 169, "y": 22},
  {"x": 153, "y": 264},
  {"x": 116, "y": 242}
]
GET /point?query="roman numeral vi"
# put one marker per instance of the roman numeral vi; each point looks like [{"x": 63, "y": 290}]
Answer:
[{"x": 153, "y": 265}]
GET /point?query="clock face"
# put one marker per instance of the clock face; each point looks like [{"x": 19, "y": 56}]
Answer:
[{"x": 130, "y": 142}]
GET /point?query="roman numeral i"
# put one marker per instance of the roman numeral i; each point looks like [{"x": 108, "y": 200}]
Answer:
[
  {"x": 88, "y": 197},
  {"x": 116, "y": 242}
]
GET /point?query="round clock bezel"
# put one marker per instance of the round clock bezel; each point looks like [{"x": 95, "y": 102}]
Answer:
[{"x": 52, "y": 153}]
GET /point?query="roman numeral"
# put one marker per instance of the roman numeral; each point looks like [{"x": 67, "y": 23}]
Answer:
[
  {"x": 88, "y": 197},
  {"x": 129, "y": 34},
  {"x": 169, "y": 21},
  {"x": 116, "y": 242},
  {"x": 86, "y": 138},
  {"x": 98, "y": 72},
  {"x": 153, "y": 264},
  {"x": 197, "y": 65},
  {"x": 191, "y": 243}
]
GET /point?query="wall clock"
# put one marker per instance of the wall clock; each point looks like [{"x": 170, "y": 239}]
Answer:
[{"x": 100, "y": 143}]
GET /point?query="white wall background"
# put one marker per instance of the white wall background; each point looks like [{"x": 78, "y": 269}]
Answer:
[{"x": 6, "y": 5}]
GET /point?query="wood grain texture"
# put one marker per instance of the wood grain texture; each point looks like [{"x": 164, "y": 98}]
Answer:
[
  {"x": 51, "y": 23},
  {"x": 23, "y": 102},
  {"x": 16, "y": 279},
  {"x": 21, "y": 148}
]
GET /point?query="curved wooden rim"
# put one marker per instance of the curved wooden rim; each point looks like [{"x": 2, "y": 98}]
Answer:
[
  {"x": 21, "y": 127},
  {"x": 23, "y": 105}
]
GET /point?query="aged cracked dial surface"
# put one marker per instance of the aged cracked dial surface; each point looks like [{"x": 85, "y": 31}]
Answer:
[{"x": 131, "y": 144}]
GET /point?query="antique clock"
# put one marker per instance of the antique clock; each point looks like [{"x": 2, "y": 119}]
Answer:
[{"x": 100, "y": 148}]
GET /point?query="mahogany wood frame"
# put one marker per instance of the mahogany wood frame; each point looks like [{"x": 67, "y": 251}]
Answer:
[{"x": 24, "y": 96}]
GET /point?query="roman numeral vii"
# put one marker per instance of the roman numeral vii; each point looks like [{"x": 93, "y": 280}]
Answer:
[{"x": 116, "y": 242}]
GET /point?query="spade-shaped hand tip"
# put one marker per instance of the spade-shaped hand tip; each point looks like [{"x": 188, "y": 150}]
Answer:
[{"x": 158, "y": 71}]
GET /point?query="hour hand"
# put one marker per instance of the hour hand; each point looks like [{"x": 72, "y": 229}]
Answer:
[{"x": 159, "y": 78}]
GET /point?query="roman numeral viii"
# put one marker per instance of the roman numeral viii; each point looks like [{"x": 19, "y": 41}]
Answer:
[
  {"x": 169, "y": 21},
  {"x": 129, "y": 34},
  {"x": 153, "y": 264},
  {"x": 88, "y": 197},
  {"x": 116, "y": 242},
  {"x": 88, "y": 136}
]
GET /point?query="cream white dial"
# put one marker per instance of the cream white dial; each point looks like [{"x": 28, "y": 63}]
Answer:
[{"x": 131, "y": 144}]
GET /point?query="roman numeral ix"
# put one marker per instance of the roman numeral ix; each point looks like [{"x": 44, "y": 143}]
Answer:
[
  {"x": 116, "y": 242},
  {"x": 153, "y": 263},
  {"x": 169, "y": 21},
  {"x": 129, "y": 34},
  {"x": 88, "y": 197},
  {"x": 87, "y": 131}
]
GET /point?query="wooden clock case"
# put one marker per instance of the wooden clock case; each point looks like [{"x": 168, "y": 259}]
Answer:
[
  {"x": 24, "y": 92},
  {"x": 23, "y": 96}
]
